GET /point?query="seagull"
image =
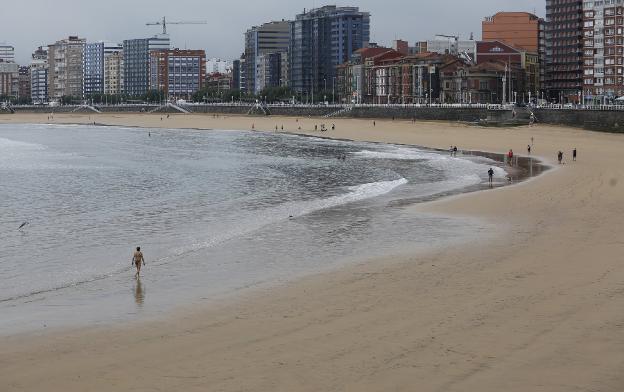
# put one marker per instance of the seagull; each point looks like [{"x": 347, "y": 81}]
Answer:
[{"x": 22, "y": 226}]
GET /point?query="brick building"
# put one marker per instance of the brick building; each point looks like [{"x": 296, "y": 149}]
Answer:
[{"x": 177, "y": 73}]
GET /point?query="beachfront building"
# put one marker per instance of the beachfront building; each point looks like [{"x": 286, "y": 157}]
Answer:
[
  {"x": 177, "y": 73},
  {"x": 39, "y": 76},
  {"x": 448, "y": 45},
  {"x": 269, "y": 70},
  {"x": 113, "y": 72},
  {"x": 355, "y": 80},
  {"x": 523, "y": 79},
  {"x": 23, "y": 84},
  {"x": 261, "y": 41},
  {"x": 136, "y": 62},
  {"x": 564, "y": 50},
  {"x": 603, "y": 57},
  {"x": 94, "y": 65},
  {"x": 7, "y": 53},
  {"x": 521, "y": 30},
  {"x": 9, "y": 80},
  {"x": 320, "y": 40},
  {"x": 66, "y": 68},
  {"x": 462, "y": 82}
]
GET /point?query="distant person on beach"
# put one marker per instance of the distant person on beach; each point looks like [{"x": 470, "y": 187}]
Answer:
[
  {"x": 491, "y": 176},
  {"x": 560, "y": 157},
  {"x": 137, "y": 260},
  {"x": 374, "y": 124},
  {"x": 510, "y": 156},
  {"x": 333, "y": 127},
  {"x": 455, "y": 151},
  {"x": 574, "y": 155},
  {"x": 529, "y": 149}
]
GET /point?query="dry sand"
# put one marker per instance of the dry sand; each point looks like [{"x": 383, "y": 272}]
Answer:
[{"x": 537, "y": 308}]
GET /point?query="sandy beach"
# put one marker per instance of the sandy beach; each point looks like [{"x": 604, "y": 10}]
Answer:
[{"x": 538, "y": 307}]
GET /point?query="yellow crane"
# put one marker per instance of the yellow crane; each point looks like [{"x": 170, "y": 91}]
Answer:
[{"x": 164, "y": 23}]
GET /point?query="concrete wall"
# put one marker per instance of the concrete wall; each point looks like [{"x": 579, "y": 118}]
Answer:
[{"x": 595, "y": 120}]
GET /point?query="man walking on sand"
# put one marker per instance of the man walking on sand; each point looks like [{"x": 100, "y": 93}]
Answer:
[
  {"x": 574, "y": 155},
  {"x": 491, "y": 176},
  {"x": 137, "y": 259}
]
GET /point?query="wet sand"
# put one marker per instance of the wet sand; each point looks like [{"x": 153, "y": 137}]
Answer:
[{"x": 538, "y": 307}]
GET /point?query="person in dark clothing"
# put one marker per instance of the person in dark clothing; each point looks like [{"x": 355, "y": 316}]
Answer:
[
  {"x": 574, "y": 155},
  {"x": 491, "y": 176}
]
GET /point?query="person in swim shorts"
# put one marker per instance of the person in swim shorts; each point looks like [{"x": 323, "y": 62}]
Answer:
[{"x": 137, "y": 260}]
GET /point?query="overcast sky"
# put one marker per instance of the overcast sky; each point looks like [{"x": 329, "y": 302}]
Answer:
[{"x": 27, "y": 24}]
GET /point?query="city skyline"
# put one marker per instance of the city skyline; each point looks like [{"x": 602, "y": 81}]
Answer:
[{"x": 223, "y": 37}]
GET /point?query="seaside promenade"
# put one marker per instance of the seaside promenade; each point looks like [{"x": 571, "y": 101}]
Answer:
[{"x": 536, "y": 307}]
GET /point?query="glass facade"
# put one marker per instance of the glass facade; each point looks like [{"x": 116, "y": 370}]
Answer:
[{"x": 322, "y": 39}]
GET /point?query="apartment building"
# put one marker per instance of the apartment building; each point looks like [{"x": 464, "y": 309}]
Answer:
[
  {"x": 136, "y": 62},
  {"x": 603, "y": 57},
  {"x": 7, "y": 53},
  {"x": 9, "y": 79},
  {"x": 564, "y": 50},
  {"x": 66, "y": 71},
  {"x": 177, "y": 73},
  {"x": 39, "y": 76},
  {"x": 260, "y": 41},
  {"x": 320, "y": 40},
  {"x": 113, "y": 73}
]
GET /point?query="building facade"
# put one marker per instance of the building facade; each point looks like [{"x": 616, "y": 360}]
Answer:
[
  {"x": 320, "y": 40},
  {"x": 23, "y": 89},
  {"x": 177, "y": 73},
  {"x": 113, "y": 73},
  {"x": 217, "y": 65},
  {"x": 65, "y": 77},
  {"x": 269, "y": 71},
  {"x": 269, "y": 38},
  {"x": 563, "y": 79},
  {"x": 7, "y": 53},
  {"x": 603, "y": 57},
  {"x": 524, "y": 86},
  {"x": 136, "y": 62},
  {"x": 9, "y": 79},
  {"x": 39, "y": 76},
  {"x": 93, "y": 67}
]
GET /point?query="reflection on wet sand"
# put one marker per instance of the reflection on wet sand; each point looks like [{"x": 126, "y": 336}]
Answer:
[{"x": 139, "y": 293}]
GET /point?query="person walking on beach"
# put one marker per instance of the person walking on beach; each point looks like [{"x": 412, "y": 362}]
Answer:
[
  {"x": 491, "y": 177},
  {"x": 455, "y": 151},
  {"x": 560, "y": 157},
  {"x": 137, "y": 260},
  {"x": 574, "y": 155},
  {"x": 510, "y": 156},
  {"x": 529, "y": 149}
]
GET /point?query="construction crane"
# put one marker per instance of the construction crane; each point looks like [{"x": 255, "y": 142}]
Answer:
[{"x": 164, "y": 23}]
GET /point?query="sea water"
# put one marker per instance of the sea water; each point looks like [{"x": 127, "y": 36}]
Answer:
[{"x": 215, "y": 212}]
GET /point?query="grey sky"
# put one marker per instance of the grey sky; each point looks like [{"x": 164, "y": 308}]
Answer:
[{"x": 28, "y": 24}]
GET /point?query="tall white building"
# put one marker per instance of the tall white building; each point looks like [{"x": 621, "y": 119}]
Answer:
[
  {"x": 217, "y": 65},
  {"x": 39, "y": 76},
  {"x": 7, "y": 53}
]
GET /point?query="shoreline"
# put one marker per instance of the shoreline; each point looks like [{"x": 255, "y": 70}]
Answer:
[{"x": 526, "y": 312}]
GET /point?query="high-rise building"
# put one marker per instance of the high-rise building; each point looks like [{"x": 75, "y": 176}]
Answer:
[
  {"x": 113, "y": 72},
  {"x": 603, "y": 68},
  {"x": 269, "y": 70},
  {"x": 243, "y": 75},
  {"x": 236, "y": 64},
  {"x": 523, "y": 31},
  {"x": 23, "y": 89},
  {"x": 39, "y": 76},
  {"x": 65, "y": 77},
  {"x": 136, "y": 62},
  {"x": 177, "y": 73},
  {"x": 94, "y": 64},
  {"x": 564, "y": 51},
  {"x": 262, "y": 40},
  {"x": 9, "y": 79},
  {"x": 7, "y": 53},
  {"x": 320, "y": 40}
]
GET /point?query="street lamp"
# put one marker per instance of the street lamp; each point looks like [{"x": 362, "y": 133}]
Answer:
[{"x": 334, "y": 90}]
